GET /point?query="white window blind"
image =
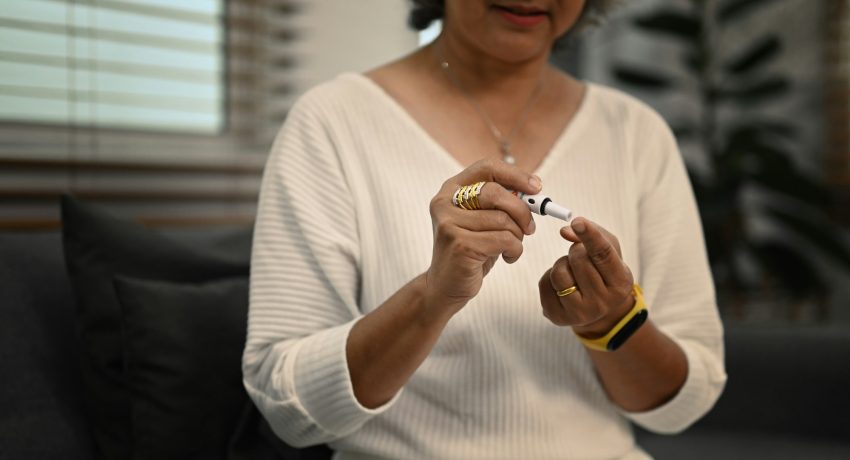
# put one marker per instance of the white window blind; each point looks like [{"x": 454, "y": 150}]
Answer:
[
  {"x": 140, "y": 64},
  {"x": 163, "y": 110}
]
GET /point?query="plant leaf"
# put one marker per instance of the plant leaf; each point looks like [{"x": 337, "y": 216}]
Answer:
[
  {"x": 644, "y": 79},
  {"x": 694, "y": 60},
  {"x": 789, "y": 266},
  {"x": 672, "y": 22},
  {"x": 791, "y": 182},
  {"x": 736, "y": 9},
  {"x": 760, "y": 53},
  {"x": 763, "y": 129},
  {"x": 771, "y": 87},
  {"x": 721, "y": 217},
  {"x": 750, "y": 154},
  {"x": 821, "y": 233},
  {"x": 806, "y": 191}
]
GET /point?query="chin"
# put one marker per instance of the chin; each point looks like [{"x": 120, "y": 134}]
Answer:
[{"x": 519, "y": 49}]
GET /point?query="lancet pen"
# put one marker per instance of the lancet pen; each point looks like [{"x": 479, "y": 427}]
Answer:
[{"x": 543, "y": 205}]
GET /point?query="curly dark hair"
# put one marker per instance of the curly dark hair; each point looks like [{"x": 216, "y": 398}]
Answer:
[{"x": 424, "y": 12}]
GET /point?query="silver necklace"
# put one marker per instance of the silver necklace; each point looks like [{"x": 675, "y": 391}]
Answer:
[{"x": 503, "y": 141}]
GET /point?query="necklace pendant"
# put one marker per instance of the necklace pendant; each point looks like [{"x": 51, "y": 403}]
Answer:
[{"x": 507, "y": 156}]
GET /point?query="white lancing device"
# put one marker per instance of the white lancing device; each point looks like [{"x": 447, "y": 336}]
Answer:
[{"x": 544, "y": 206}]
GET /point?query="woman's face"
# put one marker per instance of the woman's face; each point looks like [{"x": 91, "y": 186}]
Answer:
[{"x": 511, "y": 30}]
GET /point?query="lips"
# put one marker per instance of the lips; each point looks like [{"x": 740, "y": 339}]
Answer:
[
  {"x": 521, "y": 10},
  {"x": 520, "y": 15}
]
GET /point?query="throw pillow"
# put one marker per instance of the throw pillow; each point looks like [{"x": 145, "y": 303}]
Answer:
[
  {"x": 183, "y": 349},
  {"x": 97, "y": 247}
]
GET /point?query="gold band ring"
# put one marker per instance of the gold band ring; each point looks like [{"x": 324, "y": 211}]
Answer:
[
  {"x": 567, "y": 291},
  {"x": 466, "y": 197}
]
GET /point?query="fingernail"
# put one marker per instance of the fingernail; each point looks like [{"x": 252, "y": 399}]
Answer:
[
  {"x": 535, "y": 183},
  {"x": 578, "y": 227},
  {"x": 532, "y": 226}
]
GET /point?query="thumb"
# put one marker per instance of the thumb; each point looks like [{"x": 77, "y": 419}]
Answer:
[{"x": 569, "y": 234}]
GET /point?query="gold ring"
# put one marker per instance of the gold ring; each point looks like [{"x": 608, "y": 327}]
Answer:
[
  {"x": 476, "y": 193},
  {"x": 567, "y": 291},
  {"x": 458, "y": 198},
  {"x": 466, "y": 197}
]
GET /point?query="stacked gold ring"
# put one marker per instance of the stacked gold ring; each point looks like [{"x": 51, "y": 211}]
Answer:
[{"x": 466, "y": 197}]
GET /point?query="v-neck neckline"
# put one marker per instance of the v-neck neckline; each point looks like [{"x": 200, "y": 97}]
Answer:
[{"x": 570, "y": 131}]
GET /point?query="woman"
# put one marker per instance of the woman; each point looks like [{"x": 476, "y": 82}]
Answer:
[{"x": 387, "y": 331}]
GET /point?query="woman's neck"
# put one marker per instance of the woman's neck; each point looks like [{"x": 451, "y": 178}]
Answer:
[{"x": 481, "y": 73}]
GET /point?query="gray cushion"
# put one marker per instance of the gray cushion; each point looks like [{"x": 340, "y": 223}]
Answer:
[
  {"x": 183, "y": 348},
  {"x": 97, "y": 247}
]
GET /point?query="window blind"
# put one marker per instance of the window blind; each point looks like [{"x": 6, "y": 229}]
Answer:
[
  {"x": 159, "y": 109},
  {"x": 146, "y": 64}
]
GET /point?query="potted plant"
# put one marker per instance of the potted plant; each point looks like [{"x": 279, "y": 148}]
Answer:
[{"x": 749, "y": 176}]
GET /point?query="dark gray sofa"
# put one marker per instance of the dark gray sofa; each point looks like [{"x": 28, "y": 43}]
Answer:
[
  {"x": 788, "y": 395},
  {"x": 41, "y": 407},
  {"x": 787, "y": 398},
  {"x": 43, "y": 414}
]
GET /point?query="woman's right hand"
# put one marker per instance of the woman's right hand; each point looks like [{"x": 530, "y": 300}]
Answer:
[{"x": 467, "y": 243}]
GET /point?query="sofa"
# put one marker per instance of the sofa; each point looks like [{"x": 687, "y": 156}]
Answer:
[
  {"x": 786, "y": 399},
  {"x": 160, "y": 377},
  {"x": 117, "y": 341}
]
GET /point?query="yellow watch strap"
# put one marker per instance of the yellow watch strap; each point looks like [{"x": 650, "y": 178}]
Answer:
[{"x": 601, "y": 343}]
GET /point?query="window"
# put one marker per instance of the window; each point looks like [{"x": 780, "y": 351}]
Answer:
[
  {"x": 149, "y": 64},
  {"x": 159, "y": 109}
]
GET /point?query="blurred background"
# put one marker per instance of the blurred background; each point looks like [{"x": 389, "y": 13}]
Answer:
[
  {"x": 165, "y": 110},
  {"x": 162, "y": 112},
  {"x": 757, "y": 94}
]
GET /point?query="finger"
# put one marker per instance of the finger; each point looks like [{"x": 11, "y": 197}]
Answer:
[
  {"x": 491, "y": 196},
  {"x": 568, "y": 234},
  {"x": 507, "y": 175},
  {"x": 483, "y": 245},
  {"x": 553, "y": 310},
  {"x": 494, "y": 196},
  {"x": 486, "y": 220},
  {"x": 611, "y": 238},
  {"x": 561, "y": 277},
  {"x": 584, "y": 272},
  {"x": 601, "y": 252}
]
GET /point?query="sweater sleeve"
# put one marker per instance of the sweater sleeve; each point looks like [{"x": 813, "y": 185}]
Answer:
[
  {"x": 304, "y": 287},
  {"x": 676, "y": 277}
]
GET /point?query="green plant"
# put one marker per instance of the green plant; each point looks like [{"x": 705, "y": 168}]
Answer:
[{"x": 749, "y": 174}]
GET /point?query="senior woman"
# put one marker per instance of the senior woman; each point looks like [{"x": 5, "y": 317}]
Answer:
[{"x": 383, "y": 321}]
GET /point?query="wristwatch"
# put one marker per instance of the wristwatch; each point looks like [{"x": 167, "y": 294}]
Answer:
[{"x": 624, "y": 329}]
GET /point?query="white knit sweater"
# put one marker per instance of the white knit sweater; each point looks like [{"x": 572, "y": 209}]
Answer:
[{"x": 343, "y": 223}]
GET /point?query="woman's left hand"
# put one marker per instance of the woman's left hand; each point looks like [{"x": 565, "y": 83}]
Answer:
[{"x": 604, "y": 282}]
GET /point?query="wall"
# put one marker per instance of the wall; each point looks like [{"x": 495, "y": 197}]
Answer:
[{"x": 343, "y": 35}]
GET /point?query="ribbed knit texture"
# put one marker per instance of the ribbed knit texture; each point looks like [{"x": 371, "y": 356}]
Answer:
[{"x": 343, "y": 223}]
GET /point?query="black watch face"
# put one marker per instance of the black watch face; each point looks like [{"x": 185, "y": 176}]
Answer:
[{"x": 623, "y": 334}]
